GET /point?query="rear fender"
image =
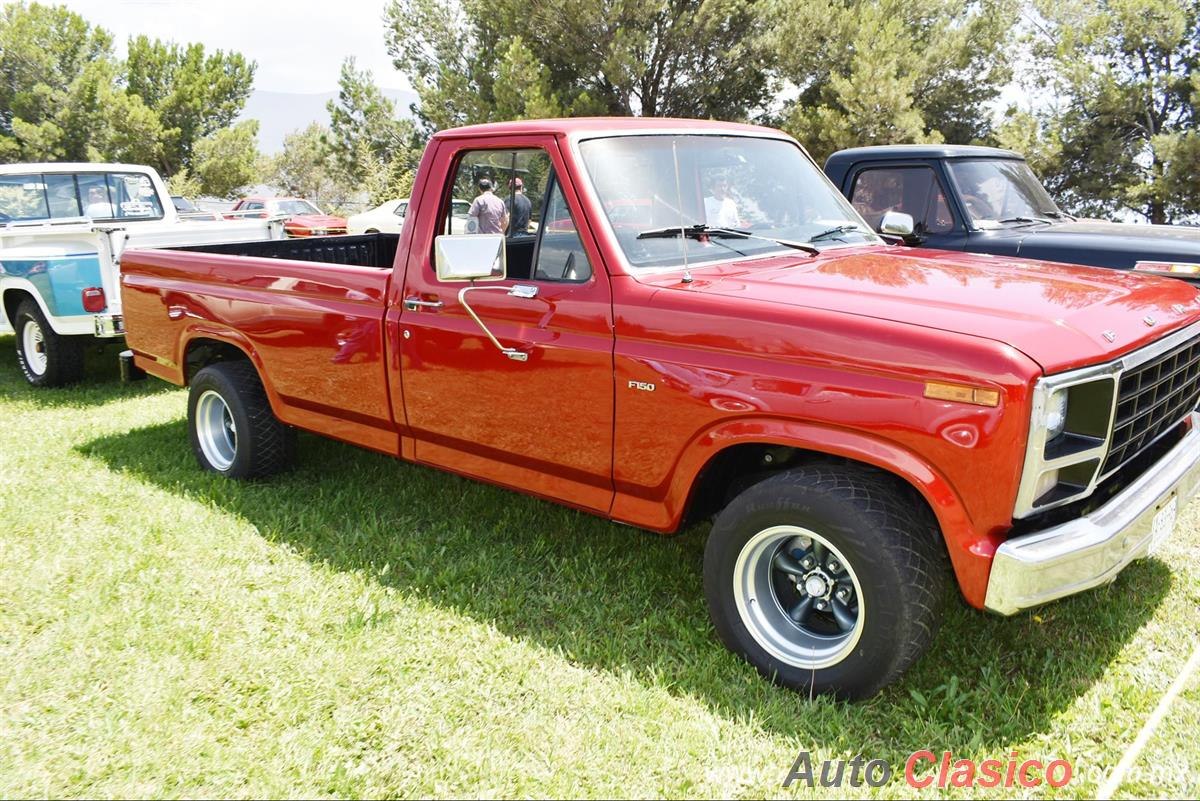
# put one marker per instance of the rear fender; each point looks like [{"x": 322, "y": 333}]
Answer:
[
  {"x": 12, "y": 290},
  {"x": 177, "y": 373}
]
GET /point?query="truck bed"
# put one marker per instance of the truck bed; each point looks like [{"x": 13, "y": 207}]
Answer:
[
  {"x": 308, "y": 312},
  {"x": 363, "y": 250}
]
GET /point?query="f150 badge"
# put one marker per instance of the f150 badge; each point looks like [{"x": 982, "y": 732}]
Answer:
[{"x": 642, "y": 385}]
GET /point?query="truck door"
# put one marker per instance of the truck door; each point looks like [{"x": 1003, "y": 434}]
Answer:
[{"x": 542, "y": 420}]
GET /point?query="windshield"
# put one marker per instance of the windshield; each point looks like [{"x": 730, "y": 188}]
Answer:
[
  {"x": 763, "y": 186},
  {"x": 996, "y": 191},
  {"x": 31, "y": 197},
  {"x": 297, "y": 207}
]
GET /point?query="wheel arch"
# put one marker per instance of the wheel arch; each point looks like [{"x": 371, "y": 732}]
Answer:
[
  {"x": 14, "y": 291},
  {"x": 201, "y": 348},
  {"x": 718, "y": 459}
]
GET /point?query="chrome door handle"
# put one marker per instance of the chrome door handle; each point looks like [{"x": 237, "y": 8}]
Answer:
[{"x": 412, "y": 304}]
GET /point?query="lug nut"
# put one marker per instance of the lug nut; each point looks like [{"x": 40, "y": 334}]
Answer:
[{"x": 834, "y": 566}]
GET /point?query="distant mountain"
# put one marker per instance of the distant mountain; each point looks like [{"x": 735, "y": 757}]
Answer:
[{"x": 280, "y": 113}]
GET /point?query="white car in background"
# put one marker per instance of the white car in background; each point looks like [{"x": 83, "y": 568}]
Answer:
[{"x": 388, "y": 218}]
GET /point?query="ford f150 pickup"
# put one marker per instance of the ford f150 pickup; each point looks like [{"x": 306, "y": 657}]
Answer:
[
  {"x": 987, "y": 200},
  {"x": 695, "y": 322}
]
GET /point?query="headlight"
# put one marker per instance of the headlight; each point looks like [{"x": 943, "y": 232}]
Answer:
[
  {"x": 1068, "y": 437},
  {"x": 1056, "y": 414}
]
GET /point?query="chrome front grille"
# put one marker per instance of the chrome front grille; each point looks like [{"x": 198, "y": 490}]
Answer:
[{"x": 1152, "y": 398}]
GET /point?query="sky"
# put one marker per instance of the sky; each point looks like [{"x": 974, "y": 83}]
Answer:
[{"x": 299, "y": 45}]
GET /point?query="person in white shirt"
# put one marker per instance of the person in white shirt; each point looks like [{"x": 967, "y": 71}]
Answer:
[
  {"x": 719, "y": 208},
  {"x": 98, "y": 206}
]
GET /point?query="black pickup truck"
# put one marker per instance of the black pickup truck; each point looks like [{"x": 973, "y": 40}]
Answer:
[{"x": 987, "y": 200}]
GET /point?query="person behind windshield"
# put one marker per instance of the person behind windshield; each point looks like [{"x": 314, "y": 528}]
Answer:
[
  {"x": 98, "y": 206},
  {"x": 720, "y": 209},
  {"x": 519, "y": 209},
  {"x": 488, "y": 210},
  {"x": 978, "y": 189}
]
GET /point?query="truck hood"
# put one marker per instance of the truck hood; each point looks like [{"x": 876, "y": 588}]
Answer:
[
  {"x": 1061, "y": 316},
  {"x": 1075, "y": 241}
]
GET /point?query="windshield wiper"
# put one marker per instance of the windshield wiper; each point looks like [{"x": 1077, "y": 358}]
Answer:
[
  {"x": 1061, "y": 215},
  {"x": 1025, "y": 220},
  {"x": 845, "y": 228},
  {"x": 700, "y": 230}
]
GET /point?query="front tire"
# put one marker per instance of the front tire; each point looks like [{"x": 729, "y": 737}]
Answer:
[
  {"x": 827, "y": 578},
  {"x": 46, "y": 359},
  {"x": 231, "y": 426}
]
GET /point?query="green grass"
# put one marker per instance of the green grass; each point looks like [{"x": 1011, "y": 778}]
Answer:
[{"x": 365, "y": 627}]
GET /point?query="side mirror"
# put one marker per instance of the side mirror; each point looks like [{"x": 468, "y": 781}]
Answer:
[
  {"x": 470, "y": 257},
  {"x": 897, "y": 223}
]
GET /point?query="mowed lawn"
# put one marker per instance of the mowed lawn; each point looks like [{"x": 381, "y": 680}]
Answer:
[{"x": 362, "y": 627}]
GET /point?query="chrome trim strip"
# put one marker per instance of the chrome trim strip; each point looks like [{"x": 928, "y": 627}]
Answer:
[{"x": 1072, "y": 557}]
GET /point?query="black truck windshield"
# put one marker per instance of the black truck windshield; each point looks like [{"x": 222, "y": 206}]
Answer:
[
  {"x": 1000, "y": 192},
  {"x": 763, "y": 190}
]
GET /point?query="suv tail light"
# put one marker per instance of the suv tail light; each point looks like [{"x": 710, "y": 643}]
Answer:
[{"x": 93, "y": 299}]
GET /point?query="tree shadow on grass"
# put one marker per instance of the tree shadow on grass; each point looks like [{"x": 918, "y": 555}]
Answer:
[
  {"x": 101, "y": 383},
  {"x": 610, "y": 597}
]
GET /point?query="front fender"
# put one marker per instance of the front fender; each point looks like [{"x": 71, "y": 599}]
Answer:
[{"x": 970, "y": 549}]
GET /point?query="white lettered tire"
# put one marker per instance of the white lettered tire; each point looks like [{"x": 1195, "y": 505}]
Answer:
[{"x": 46, "y": 359}]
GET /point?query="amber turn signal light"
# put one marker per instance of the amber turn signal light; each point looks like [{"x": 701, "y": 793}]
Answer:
[
  {"x": 1167, "y": 267},
  {"x": 960, "y": 394}
]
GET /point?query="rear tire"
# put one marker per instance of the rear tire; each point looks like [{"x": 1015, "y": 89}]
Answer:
[
  {"x": 827, "y": 578},
  {"x": 231, "y": 426},
  {"x": 46, "y": 359}
]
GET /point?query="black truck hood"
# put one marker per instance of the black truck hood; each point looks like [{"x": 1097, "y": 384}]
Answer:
[{"x": 1107, "y": 244}]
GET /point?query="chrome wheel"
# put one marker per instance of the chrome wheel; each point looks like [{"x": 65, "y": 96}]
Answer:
[
  {"x": 216, "y": 430},
  {"x": 33, "y": 343},
  {"x": 798, "y": 597}
]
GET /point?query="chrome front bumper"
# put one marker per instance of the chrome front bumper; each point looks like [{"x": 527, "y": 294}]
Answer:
[{"x": 1035, "y": 568}]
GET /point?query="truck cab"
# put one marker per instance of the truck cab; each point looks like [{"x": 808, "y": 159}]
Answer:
[
  {"x": 988, "y": 200},
  {"x": 63, "y": 227}
]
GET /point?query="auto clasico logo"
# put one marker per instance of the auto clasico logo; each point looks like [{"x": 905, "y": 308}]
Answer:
[{"x": 926, "y": 770}]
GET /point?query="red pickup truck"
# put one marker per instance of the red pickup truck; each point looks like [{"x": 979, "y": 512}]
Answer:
[{"x": 689, "y": 320}]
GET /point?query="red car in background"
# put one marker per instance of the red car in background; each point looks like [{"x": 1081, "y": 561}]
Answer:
[{"x": 303, "y": 217}]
